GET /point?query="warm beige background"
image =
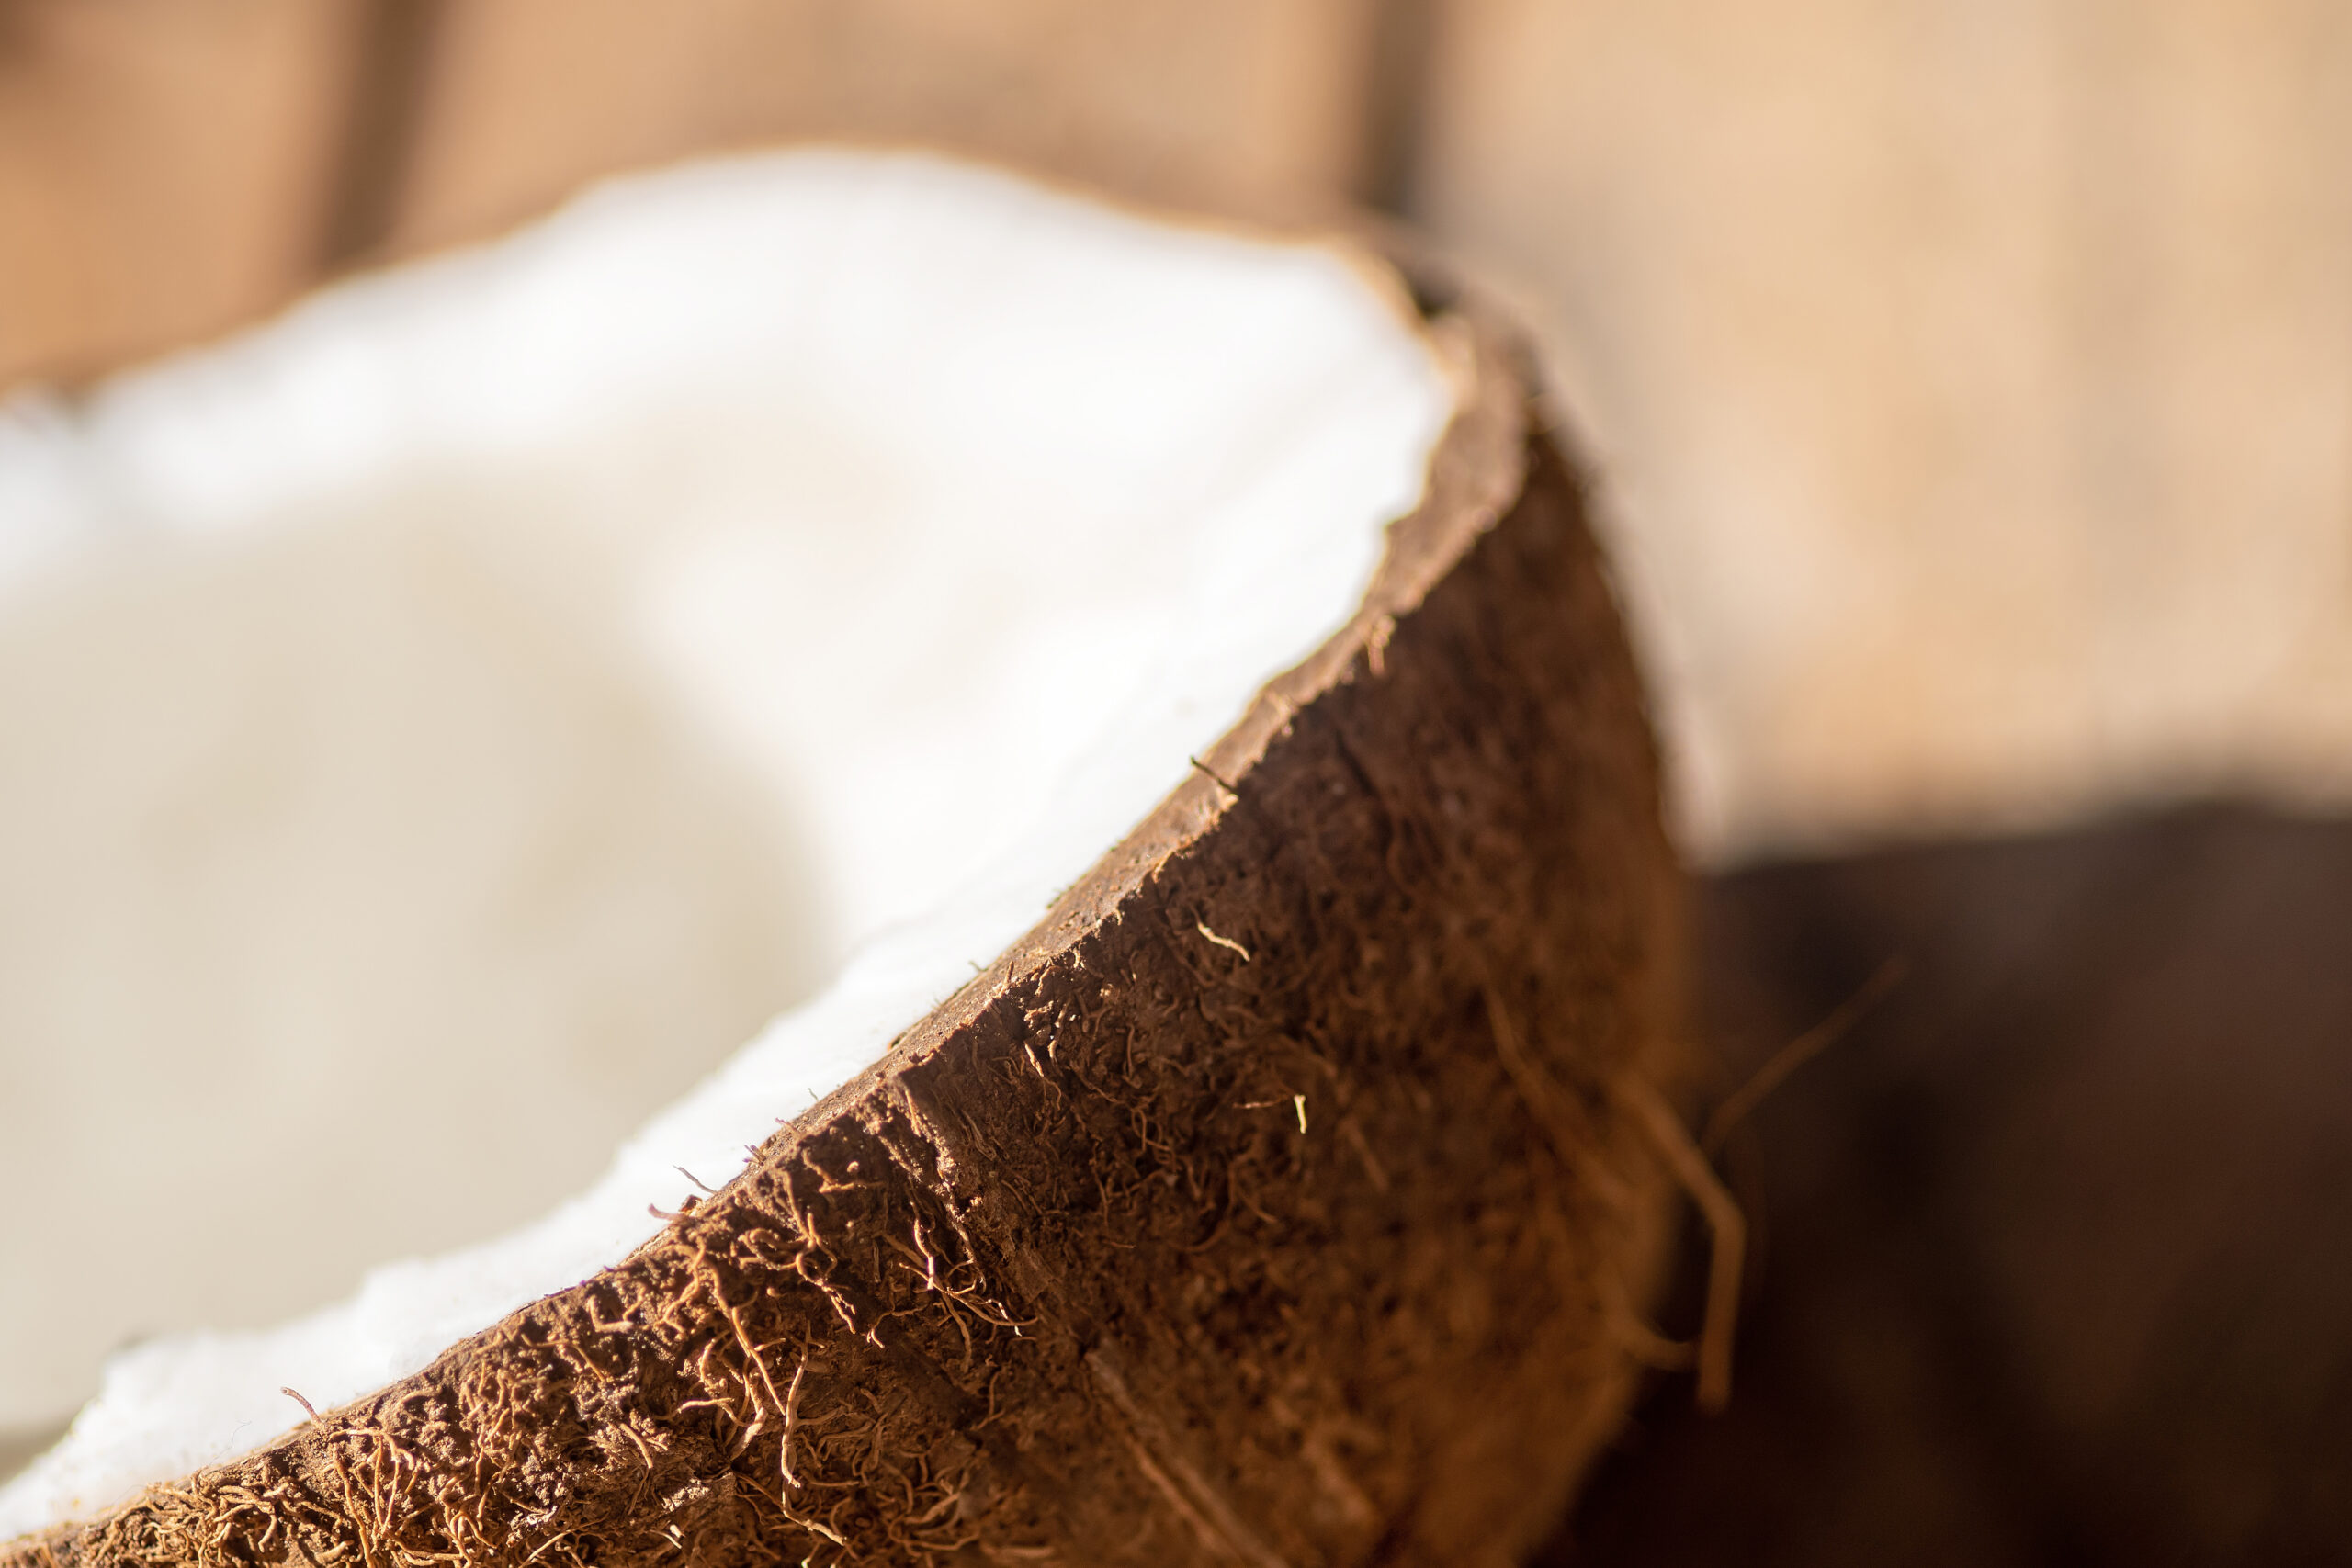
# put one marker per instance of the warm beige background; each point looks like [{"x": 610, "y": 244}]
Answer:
[
  {"x": 162, "y": 165},
  {"x": 1974, "y": 380},
  {"x": 1251, "y": 103},
  {"x": 169, "y": 167}
]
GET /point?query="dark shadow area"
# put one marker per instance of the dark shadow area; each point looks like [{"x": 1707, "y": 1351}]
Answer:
[{"x": 2053, "y": 1257}]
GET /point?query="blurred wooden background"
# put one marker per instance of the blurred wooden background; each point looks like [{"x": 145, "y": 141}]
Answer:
[
  {"x": 1972, "y": 380},
  {"x": 171, "y": 167}
]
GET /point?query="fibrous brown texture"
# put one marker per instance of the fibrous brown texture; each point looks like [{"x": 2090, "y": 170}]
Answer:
[{"x": 1277, "y": 1199}]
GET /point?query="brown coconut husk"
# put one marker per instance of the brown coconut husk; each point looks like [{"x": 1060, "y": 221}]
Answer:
[{"x": 1286, "y": 1196}]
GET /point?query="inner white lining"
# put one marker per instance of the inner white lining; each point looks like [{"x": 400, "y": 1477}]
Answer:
[{"x": 955, "y": 512}]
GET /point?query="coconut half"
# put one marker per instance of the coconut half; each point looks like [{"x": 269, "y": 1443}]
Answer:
[{"x": 1224, "y": 1133}]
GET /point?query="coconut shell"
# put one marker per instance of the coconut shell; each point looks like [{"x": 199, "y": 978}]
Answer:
[{"x": 1284, "y": 1197}]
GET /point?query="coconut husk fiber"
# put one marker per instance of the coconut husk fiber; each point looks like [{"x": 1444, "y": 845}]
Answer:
[{"x": 1286, "y": 1196}]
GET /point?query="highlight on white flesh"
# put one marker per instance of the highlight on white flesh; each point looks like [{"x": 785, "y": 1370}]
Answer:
[{"x": 959, "y": 514}]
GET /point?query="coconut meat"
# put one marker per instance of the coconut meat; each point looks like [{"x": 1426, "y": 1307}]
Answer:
[{"x": 954, "y": 514}]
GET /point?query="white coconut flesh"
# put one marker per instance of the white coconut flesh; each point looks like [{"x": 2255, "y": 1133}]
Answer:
[{"x": 769, "y": 581}]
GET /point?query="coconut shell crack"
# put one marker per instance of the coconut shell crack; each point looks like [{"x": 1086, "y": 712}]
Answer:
[{"x": 1274, "y": 1201}]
